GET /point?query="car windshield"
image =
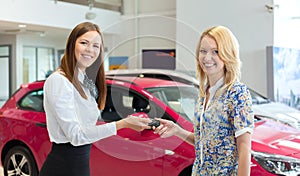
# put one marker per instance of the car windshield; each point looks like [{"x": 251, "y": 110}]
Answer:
[
  {"x": 257, "y": 98},
  {"x": 181, "y": 99}
]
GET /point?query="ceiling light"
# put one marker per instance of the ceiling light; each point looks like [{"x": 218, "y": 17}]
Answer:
[
  {"x": 22, "y": 26},
  {"x": 42, "y": 34},
  {"x": 90, "y": 15}
]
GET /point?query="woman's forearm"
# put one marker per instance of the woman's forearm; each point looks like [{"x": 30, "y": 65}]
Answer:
[{"x": 185, "y": 135}]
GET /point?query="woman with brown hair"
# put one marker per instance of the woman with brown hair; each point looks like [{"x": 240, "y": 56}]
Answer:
[{"x": 73, "y": 96}]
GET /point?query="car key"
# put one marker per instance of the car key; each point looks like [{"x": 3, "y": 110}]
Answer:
[{"x": 154, "y": 123}]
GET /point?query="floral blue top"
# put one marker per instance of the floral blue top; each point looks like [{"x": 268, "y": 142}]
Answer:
[{"x": 227, "y": 116}]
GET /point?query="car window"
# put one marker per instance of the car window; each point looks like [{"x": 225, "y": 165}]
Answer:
[
  {"x": 32, "y": 101},
  {"x": 257, "y": 98},
  {"x": 121, "y": 102},
  {"x": 180, "y": 99}
]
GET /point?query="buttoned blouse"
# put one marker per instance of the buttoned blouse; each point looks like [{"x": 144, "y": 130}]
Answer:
[
  {"x": 228, "y": 114},
  {"x": 70, "y": 117}
]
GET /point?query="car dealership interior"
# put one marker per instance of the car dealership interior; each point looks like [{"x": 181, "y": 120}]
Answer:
[
  {"x": 33, "y": 38},
  {"x": 156, "y": 38}
]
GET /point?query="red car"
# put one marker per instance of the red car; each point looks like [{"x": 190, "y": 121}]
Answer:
[{"x": 24, "y": 142}]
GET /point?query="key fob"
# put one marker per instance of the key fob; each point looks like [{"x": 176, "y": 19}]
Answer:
[{"x": 154, "y": 123}]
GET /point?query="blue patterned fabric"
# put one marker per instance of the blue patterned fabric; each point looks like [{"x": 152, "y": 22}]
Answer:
[{"x": 226, "y": 117}]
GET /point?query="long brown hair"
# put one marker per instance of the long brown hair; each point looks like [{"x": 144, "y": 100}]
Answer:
[
  {"x": 68, "y": 63},
  {"x": 228, "y": 51}
]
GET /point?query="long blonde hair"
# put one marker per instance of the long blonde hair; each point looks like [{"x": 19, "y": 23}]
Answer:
[{"x": 228, "y": 52}]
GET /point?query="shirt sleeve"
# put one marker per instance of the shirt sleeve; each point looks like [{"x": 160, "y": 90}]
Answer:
[
  {"x": 59, "y": 102},
  {"x": 242, "y": 112}
]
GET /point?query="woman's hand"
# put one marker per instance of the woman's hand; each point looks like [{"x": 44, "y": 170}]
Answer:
[
  {"x": 137, "y": 123},
  {"x": 166, "y": 128}
]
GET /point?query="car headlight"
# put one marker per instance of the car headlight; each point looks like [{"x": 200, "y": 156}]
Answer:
[{"x": 278, "y": 164}]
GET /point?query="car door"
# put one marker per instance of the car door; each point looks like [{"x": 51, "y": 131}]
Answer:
[{"x": 129, "y": 152}]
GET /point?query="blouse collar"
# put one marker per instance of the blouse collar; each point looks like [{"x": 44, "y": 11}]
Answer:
[{"x": 212, "y": 90}]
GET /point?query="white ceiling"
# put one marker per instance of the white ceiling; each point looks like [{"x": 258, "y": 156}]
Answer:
[{"x": 12, "y": 28}]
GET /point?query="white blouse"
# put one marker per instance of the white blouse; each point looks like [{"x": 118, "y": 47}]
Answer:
[{"x": 71, "y": 118}]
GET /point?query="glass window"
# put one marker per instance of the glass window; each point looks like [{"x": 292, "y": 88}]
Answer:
[
  {"x": 45, "y": 61},
  {"x": 4, "y": 73},
  {"x": 257, "y": 98},
  {"x": 121, "y": 102},
  {"x": 29, "y": 64},
  {"x": 4, "y": 51},
  {"x": 32, "y": 101},
  {"x": 180, "y": 99},
  {"x": 38, "y": 63}
]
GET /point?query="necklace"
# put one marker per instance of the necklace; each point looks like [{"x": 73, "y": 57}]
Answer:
[{"x": 88, "y": 83}]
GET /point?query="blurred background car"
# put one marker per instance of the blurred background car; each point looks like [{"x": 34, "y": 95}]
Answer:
[
  {"x": 24, "y": 141},
  {"x": 261, "y": 105}
]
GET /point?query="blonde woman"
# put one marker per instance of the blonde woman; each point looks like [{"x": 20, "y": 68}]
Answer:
[{"x": 223, "y": 113}]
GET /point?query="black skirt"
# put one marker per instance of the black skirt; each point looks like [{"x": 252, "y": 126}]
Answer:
[{"x": 67, "y": 160}]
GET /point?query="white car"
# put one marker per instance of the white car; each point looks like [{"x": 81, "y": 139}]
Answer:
[
  {"x": 261, "y": 105},
  {"x": 278, "y": 111}
]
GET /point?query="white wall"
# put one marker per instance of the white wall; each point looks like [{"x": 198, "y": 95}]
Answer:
[
  {"x": 249, "y": 21},
  {"x": 145, "y": 25},
  {"x": 287, "y": 23}
]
